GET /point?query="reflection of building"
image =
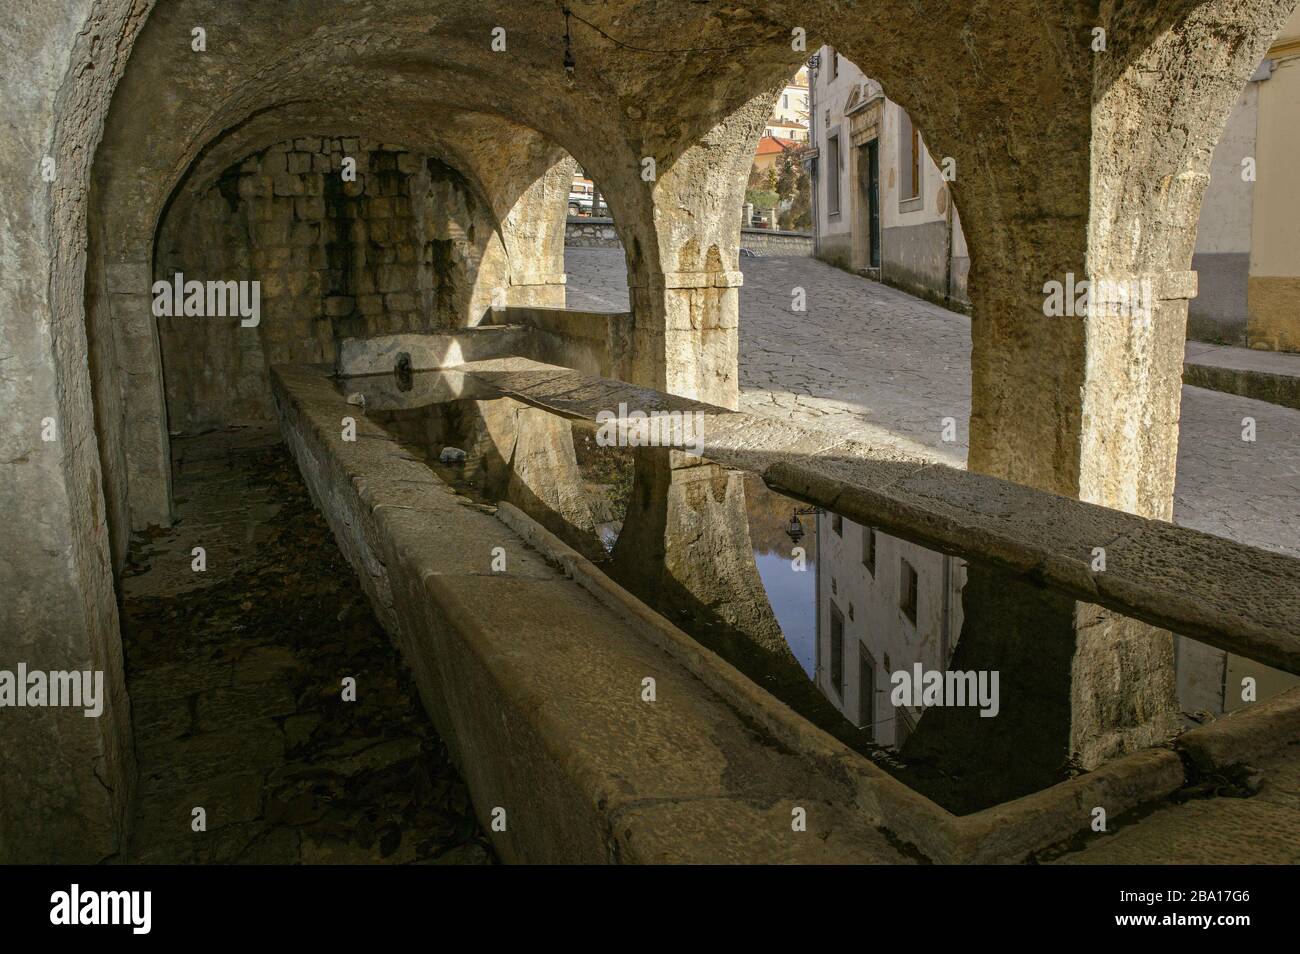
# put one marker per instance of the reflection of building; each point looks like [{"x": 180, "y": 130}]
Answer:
[
  {"x": 1249, "y": 231},
  {"x": 883, "y": 605},
  {"x": 1210, "y": 680},
  {"x": 882, "y": 206}
]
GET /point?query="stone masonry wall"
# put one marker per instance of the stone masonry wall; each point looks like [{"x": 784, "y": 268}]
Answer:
[{"x": 397, "y": 250}]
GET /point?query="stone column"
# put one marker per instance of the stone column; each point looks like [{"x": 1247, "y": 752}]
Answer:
[
  {"x": 683, "y": 248},
  {"x": 685, "y": 335},
  {"x": 139, "y": 355},
  {"x": 685, "y": 548}
]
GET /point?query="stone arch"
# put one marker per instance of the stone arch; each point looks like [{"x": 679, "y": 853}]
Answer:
[{"x": 1043, "y": 125}]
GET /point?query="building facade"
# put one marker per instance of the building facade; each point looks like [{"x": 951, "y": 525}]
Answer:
[
  {"x": 882, "y": 204},
  {"x": 789, "y": 119},
  {"x": 1248, "y": 238}
]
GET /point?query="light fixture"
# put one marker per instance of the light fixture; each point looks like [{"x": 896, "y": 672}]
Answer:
[
  {"x": 569, "y": 62},
  {"x": 794, "y": 529}
]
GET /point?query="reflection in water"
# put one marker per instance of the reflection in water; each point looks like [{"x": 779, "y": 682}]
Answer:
[{"x": 826, "y": 614}]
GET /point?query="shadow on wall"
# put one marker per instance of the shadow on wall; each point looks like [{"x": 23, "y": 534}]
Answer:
[{"x": 396, "y": 249}]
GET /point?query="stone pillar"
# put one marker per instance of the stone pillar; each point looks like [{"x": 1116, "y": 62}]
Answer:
[
  {"x": 525, "y": 456},
  {"x": 65, "y": 779},
  {"x": 685, "y": 337},
  {"x": 139, "y": 355},
  {"x": 683, "y": 248},
  {"x": 535, "y": 288},
  {"x": 685, "y": 549}
]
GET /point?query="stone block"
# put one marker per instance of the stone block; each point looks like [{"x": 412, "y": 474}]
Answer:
[
  {"x": 309, "y": 208},
  {"x": 254, "y": 186},
  {"x": 286, "y": 184},
  {"x": 339, "y": 306},
  {"x": 274, "y": 164},
  {"x": 299, "y": 162},
  {"x": 305, "y": 233},
  {"x": 409, "y": 163}
]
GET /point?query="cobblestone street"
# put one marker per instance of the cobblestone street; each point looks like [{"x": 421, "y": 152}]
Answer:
[{"x": 870, "y": 361}]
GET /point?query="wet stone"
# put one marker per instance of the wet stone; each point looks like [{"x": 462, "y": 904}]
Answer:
[{"x": 235, "y": 678}]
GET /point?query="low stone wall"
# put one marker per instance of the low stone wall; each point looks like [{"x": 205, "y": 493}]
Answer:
[
  {"x": 591, "y": 233},
  {"x": 772, "y": 242},
  {"x": 598, "y": 343},
  {"x": 1218, "y": 371},
  {"x": 582, "y": 232}
]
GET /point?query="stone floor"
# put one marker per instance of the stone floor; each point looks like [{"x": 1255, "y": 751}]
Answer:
[
  {"x": 235, "y": 677},
  {"x": 1262, "y": 829},
  {"x": 868, "y": 360}
]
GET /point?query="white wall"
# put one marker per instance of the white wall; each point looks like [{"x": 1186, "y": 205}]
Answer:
[{"x": 870, "y": 605}]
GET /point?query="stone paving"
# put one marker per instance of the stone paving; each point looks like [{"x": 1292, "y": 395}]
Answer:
[
  {"x": 1262, "y": 829},
  {"x": 235, "y": 677},
  {"x": 870, "y": 361}
]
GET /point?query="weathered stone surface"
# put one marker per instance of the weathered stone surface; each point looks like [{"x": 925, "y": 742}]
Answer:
[{"x": 1108, "y": 162}]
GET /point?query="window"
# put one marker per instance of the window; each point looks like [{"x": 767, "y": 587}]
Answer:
[
  {"x": 835, "y": 64},
  {"x": 869, "y": 550},
  {"x": 785, "y": 101},
  {"x": 833, "y": 174},
  {"x": 907, "y": 589},
  {"x": 909, "y": 159},
  {"x": 837, "y": 524},
  {"x": 837, "y": 651}
]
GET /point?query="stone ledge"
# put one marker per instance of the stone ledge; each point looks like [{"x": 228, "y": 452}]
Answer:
[
  {"x": 1245, "y": 737},
  {"x": 1272, "y": 376},
  {"x": 1010, "y": 832}
]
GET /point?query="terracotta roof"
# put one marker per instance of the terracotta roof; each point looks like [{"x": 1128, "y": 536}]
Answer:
[{"x": 771, "y": 145}]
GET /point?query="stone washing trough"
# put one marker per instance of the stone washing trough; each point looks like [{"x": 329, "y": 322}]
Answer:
[{"x": 533, "y": 673}]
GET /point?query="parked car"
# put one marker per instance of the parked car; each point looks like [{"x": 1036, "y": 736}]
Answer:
[{"x": 581, "y": 200}]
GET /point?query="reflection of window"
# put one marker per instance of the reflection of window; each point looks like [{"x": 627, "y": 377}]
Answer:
[
  {"x": 837, "y": 651},
  {"x": 866, "y": 691},
  {"x": 869, "y": 550},
  {"x": 833, "y": 174},
  {"x": 907, "y": 589},
  {"x": 909, "y": 159},
  {"x": 837, "y": 524}
]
